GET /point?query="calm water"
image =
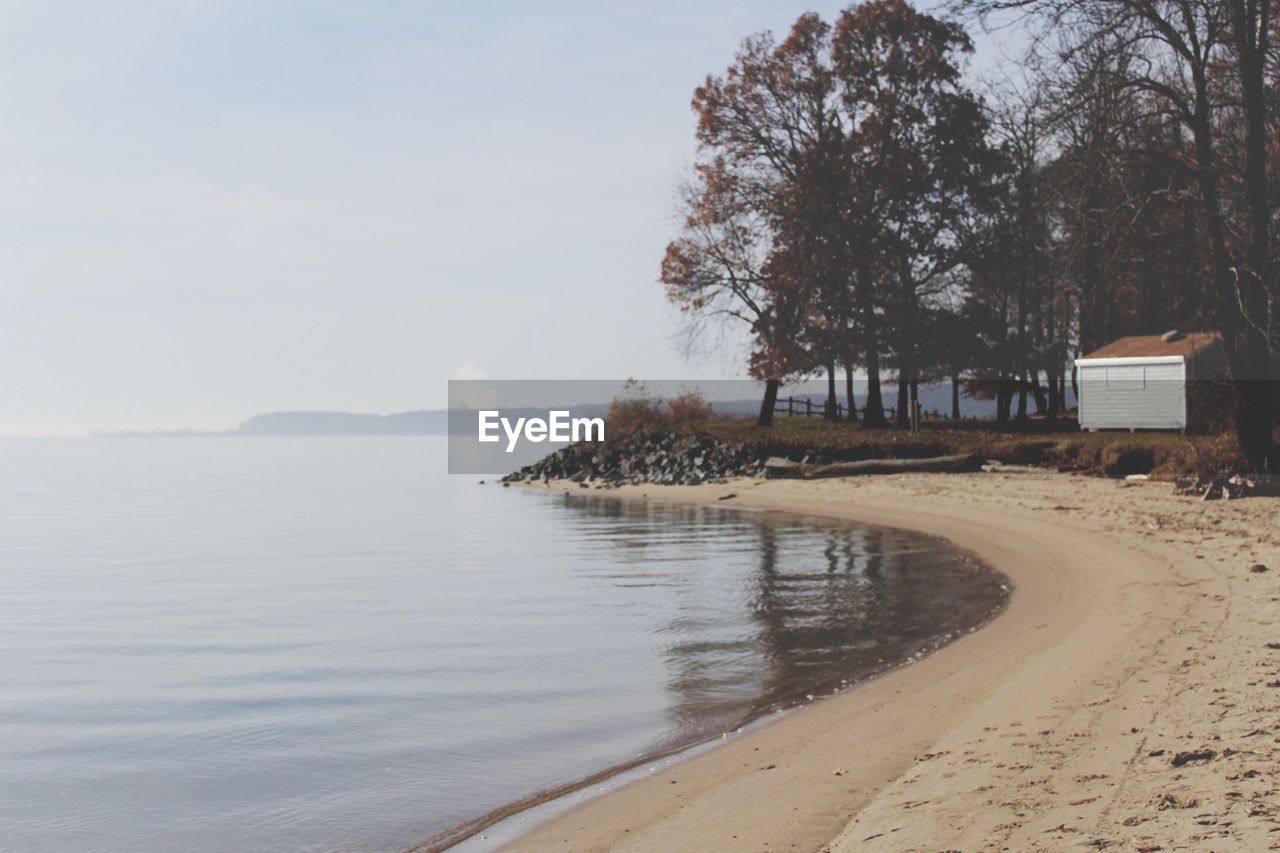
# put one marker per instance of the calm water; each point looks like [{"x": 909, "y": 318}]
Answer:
[{"x": 327, "y": 643}]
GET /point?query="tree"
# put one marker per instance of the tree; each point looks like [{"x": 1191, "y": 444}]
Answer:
[
  {"x": 764, "y": 128},
  {"x": 915, "y": 154},
  {"x": 716, "y": 269},
  {"x": 1177, "y": 50},
  {"x": 1251, "y": 24}
]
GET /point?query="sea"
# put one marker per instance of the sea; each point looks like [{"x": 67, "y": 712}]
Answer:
[{"x": 329, "y": 643}]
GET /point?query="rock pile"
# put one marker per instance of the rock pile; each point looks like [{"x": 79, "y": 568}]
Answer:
[
  {"x": 657, "y": 457},
  {"x": 1219, "y": 487}
]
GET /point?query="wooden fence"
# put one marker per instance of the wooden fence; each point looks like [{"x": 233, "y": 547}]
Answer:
[{"x": 803, "y": 407}]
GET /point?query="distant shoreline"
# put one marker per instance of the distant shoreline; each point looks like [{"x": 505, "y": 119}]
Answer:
[{"x": 303, "y": 422}]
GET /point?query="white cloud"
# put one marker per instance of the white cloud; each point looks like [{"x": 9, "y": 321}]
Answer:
[{"x": 469, "y": 370}]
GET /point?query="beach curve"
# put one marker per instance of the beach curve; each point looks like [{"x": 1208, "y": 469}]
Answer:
[{"x": 1033, "y": 732}]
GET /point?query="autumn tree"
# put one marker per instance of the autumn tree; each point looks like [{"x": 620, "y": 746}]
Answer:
[
  {"x": 715, "y": 271},
  {"x": 765, "y": 129}
]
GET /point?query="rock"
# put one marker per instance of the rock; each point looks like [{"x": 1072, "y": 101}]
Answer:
[
  {"x": 1169, "y": 801},
  {"x": 1215, "y": 487},
  {"x": 993, "y": 466},
  {"x": 1183, "y": 758},
  {"x": 654, "y": 458},
  {"x": 1257, "y": 568}
]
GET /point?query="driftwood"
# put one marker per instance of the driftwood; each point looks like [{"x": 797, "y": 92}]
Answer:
[{"x": 779, "y": 468}]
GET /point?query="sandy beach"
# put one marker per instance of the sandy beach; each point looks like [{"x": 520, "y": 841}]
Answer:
[{"x": 1127, "y": 697}]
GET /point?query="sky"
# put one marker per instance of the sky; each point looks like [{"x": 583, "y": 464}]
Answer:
[{"x": 214, "y": 208}]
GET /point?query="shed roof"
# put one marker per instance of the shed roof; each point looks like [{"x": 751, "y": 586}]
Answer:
[{"x": 1139, "y": 346}]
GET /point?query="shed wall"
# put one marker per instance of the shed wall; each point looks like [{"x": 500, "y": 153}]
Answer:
[{"x": 1133, "y": 395}]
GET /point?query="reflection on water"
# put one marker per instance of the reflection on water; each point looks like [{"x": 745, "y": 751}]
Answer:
[
  {"x": 326, "y": 643},
  {"x": 769, "y": 609}
]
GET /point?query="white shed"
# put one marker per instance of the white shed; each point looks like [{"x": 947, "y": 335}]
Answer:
[{"x": 1141, "y": 382}]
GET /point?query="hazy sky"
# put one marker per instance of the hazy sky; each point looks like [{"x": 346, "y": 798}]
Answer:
[{"x": 210, "y": 209}]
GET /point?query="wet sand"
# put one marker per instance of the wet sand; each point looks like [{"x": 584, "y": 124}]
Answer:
[{"x": 1124, "y": 697}]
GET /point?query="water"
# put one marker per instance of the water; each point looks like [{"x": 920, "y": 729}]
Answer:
[{"x": 327, "y": 643}]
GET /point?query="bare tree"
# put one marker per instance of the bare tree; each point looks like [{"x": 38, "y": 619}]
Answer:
[{"x": 1174, "y": 49}]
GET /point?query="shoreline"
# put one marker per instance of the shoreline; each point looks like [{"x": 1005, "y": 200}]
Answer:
[
  {"x": 1054, "y": 724},
  {"x": 554, "y": 801}
]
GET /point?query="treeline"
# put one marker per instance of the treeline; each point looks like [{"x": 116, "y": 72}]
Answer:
[{"x": 864, "y": 206}]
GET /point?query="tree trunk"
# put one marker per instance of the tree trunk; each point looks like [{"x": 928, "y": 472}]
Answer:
[
  {"x": 848, "y": 391},
  {"x": 766, "y": 407},
  {"x": 1037, "y": 391},
  {"x": 903, "y": 420},
  {"x": 875, "y": 404},
  {"x": 832, "y": 412},
  {"x": 1090, "y": 335},
  {"x": 1024, "y": 286},
  {"x": 1004, "y": 398},
  {"x": 1050, "y": 390},
  {"x": 955, "y": 395},
  {"x": 1075, "y": 388},
  {"x": 1227, "y": 300},
  {"x": 1253, "y": 386},
  {"x": 906, "y": 341},
  {"x": 873, "y": 412}
]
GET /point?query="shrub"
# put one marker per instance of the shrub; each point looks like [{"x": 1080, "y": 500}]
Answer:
[
  {"x": 1120, "y": 461},
  {"x": 637, "y": 410},
  {"x": 689, "y": 409},
  {"x": 633, "y": 411}
]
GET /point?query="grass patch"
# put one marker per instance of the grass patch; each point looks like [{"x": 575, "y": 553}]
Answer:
[{"x": 1060, "y": 445}]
